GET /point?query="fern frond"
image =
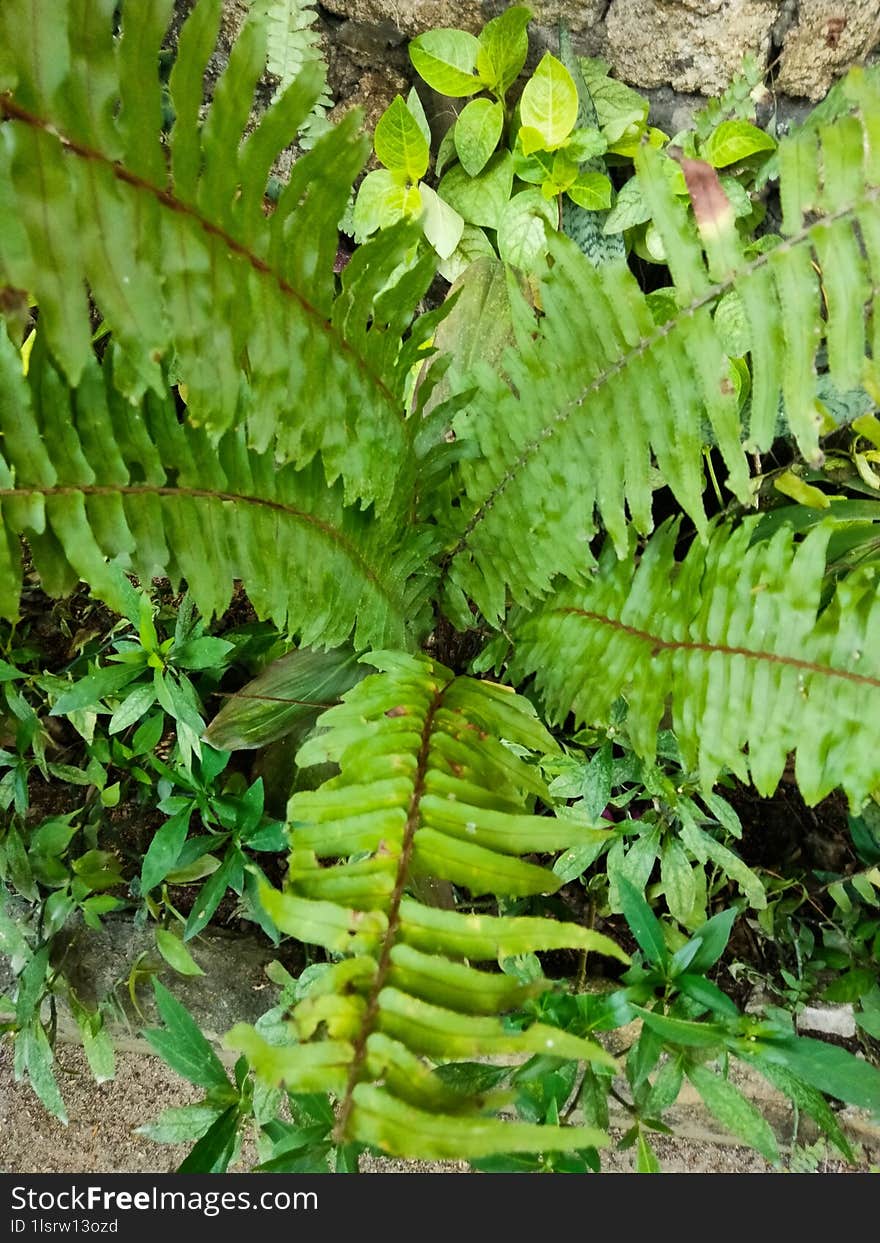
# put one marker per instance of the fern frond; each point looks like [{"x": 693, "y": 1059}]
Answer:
[
  {"x": 179, "y": 255},
  {"x": 291, "y": 45},
  {"x": 597, "y": 395},
  {"x": 101, "y": 488},
  {"x": 733, "y": 640},
  {"x": 426, "y": 788}
]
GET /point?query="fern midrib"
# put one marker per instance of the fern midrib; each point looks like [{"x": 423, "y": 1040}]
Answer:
[
  {"x": 326, "y": 528},
  {"x": 413, "y": 819},
  {"x": 13, "y": 111},
  {"x": 659, "y": 644},
  {"x": 562, "y": 416}
]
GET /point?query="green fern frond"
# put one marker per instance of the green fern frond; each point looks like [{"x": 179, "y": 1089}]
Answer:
[
  {"x": 426, "y": 788},
  {"x": 734, "y": 642},
  {"x": 596, "y": 395},
  {"x": 291, "y": 45},
  {"x": 174, "y": 246},
  {"x": 102, "y": 488}
]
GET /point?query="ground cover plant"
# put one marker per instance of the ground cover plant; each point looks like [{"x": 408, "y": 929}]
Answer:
[{"x": 534, "y": 579}]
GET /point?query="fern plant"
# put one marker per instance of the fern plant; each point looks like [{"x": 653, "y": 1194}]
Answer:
[{"x": 251, "y": 417}]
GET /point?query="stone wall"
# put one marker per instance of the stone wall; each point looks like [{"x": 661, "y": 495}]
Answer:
[
  {"x": 693, "y": 46},
  {"x": 674, "y": 50}
]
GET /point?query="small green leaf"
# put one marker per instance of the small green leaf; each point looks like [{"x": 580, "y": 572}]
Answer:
[
  {"x": 734, "y": 141},
  {"x": 39, "y": 1060},
  {"x": 164, "y": 850},
  {"x": 477, "y": 132},
  {"x": 683, "y": 1031},
  {"x": 734, "y": 1112},
  {"x": 630, "y": 209},
  {"x": 503, "y": 47},
  {"x": 399, "y": 142},
  {"x": 175, "y": 953},
  {"x": 97, "y": 1045},
  {"x": 9, "y": 673},
  {"x": 677, "y": 878},
  {"x": 707, "y": 994},
  {"x": 646, "y": 1158},
  {"x": 643, "y": 923},
  {"x": 94, "y": 687},
  {"x": 549, "y": 103},
  {"x": 415, "y": 106},
  {"x": 522, "y": 229},
  {"x": 584, "y": 144},
  {"x": 209, "y": 897},
  {"x": 205, "y": 653},
  {"x": 480, "y": 200},
  {"x": 182, "y": 1045},
  {"x": 53, "y": 835},
  {"x": 214, "y": 1151},
  {"x": 383, "y": 200},
  {"x": 713, "y": 937},
  {"x": 591, "y": 191},
  {"x": 446, "y": 59},
  {"x": 180, "y": 1124},
  {"x": 441, "y": 223}
]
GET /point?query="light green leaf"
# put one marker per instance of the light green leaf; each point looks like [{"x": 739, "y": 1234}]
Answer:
[
  {"x": 210, "y": 897},
  {"x": 503, "y": 47},
  {"x": 733, "y": 141},
  {"x": 181, "y": 1044},
  {"x": 383, "y": 200},
  {"x": 39, "y": 1061},
  {"x": 399, "y": 142},
  {"x": 446, "y": 59},
  {"x": 477, "y": 131},
  {"x": 474, "y": 244},
  {"x": 96, "y": 1040},
  {"x": 180, "y": 1124},
  {"x": 175, "y": 953},
  {"x": 414, "y": 103},
  {"x": 132, "y": 708},
  {"x": 549, "y": 102},
  {"x": 630, "y": 209},
  {"x": 704, "y": 847},
  {"x": 738, "y": 1115},
  {"x": 480, "y": 200},
  {"x": 442, "y": 224},
  {"x": 591, "y": 191},
  {"x": 522, "y": 229},
  {"x": 677, "y": 878},
  {"x": 646, "y": 1159}
]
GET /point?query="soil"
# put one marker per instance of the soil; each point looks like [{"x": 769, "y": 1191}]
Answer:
[{"x": 101, "y": 1136}]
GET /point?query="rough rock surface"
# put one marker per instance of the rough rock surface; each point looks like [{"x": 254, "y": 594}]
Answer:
[
  {"x": 691, "y": 47},
  {"x": 826, "y": 38}
]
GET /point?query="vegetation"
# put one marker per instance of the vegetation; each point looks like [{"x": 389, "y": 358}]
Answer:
[{"x": 619, "y": 482}]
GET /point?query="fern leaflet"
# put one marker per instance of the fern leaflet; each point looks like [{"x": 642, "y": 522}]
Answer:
[{"x": 733, "y": 638}]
